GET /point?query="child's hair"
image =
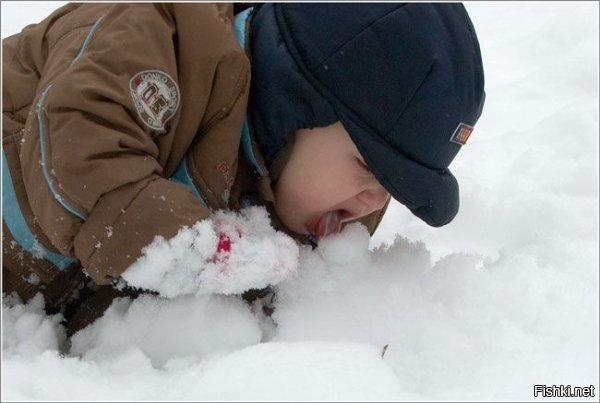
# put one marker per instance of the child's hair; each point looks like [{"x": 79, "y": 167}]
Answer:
[{"x": 406, "y": 81}]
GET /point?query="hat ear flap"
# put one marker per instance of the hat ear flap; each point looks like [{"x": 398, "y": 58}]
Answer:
[
  {"x": 281, "y": 159},
  {"x": 281, "y": 100}
]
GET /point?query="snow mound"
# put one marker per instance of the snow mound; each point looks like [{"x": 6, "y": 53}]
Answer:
[
  {"x": 165, "y": 330},
  {"x": 447, "y": 322},
  {"x": 27, "y": 330},
  {"x": 302, "y": 371}
]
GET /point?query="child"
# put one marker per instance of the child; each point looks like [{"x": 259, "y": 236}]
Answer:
[{"x": 124, "y": 122}]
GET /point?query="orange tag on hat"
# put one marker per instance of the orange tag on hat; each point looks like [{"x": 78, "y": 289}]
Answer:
[{"x": 461, "y": 134}]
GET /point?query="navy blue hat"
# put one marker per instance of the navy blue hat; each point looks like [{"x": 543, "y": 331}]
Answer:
[{"x": 405, "y": 80}]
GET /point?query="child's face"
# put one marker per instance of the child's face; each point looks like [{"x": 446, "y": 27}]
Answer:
[{"x": 325, "y": 183}]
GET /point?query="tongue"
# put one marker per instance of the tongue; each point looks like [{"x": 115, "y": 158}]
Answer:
[{"x": 330, "y": 223}]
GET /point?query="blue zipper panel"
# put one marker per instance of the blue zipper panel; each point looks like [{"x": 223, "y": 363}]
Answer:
[
  {"x": 182, "y": 175},
  {"x": 13, "y": 217},
  {"x": 240, "y": 33}
]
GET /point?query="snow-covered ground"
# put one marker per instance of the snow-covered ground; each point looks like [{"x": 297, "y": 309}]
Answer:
[{"x": 502, "y": 299}]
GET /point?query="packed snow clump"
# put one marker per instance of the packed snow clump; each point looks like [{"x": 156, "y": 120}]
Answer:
[{"x": 193, "y": 262}]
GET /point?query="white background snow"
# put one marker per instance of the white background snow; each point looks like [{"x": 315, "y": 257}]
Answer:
[{"x": 503, "y": 298}]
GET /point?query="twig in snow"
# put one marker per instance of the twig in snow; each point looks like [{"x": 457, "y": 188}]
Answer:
[{"x": 384, "y": 350}]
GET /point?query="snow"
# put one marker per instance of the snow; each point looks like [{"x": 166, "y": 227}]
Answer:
[
  {"x": 194, "y": 326},
  {"x": 26, "y": 330},
  {"x": 502, "y": 299},
  {"x": 190, "y": 262}
]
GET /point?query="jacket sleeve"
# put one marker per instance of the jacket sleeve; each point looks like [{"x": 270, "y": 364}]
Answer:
[{"x": 90, "y": 162}]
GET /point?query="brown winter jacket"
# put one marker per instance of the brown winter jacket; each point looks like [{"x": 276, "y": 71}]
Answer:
[{"x": 105, "y": 106}]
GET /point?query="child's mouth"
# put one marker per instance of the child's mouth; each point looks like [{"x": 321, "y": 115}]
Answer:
[{"x": 328, "y": 223}]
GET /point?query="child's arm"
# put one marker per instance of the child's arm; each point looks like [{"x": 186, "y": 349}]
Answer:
[{"x": 90, "y": 162}]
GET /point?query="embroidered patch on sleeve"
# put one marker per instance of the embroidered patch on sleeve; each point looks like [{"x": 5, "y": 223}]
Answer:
[
  {"x": 461, "y": 134},
  {"x": 155, "y": 96}
]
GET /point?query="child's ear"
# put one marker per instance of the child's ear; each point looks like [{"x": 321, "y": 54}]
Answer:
[{"x": 281, "y": 159}]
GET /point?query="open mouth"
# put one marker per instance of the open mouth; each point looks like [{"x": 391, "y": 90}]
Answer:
[{"x": 328, "y": 223}]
